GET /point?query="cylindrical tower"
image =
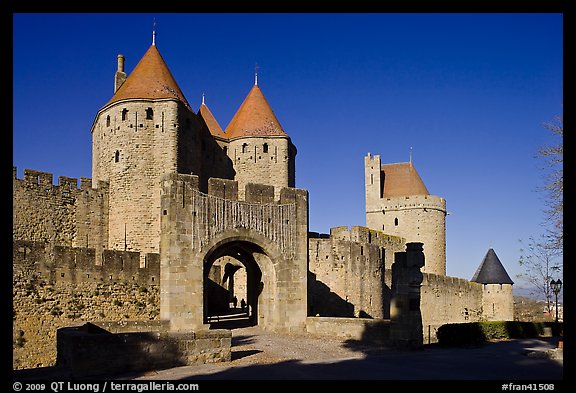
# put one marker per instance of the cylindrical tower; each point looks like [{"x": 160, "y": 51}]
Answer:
[
  {"x": 143, "y": 132},
  {"x": 260, "y": 151},
  {"x": 398, "y": 203}
]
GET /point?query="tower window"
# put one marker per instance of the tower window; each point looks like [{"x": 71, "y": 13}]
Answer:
[
  {"x": 244, "y": 146},
  {"x": 149, "y": 114},
  {"x": 124, "y": 114},
  {"x": 108, "y": 121},
  {"x": 117, "y": 156},
  {"x": 396, "y": 222},
  {"x": 265, "y": 148}
]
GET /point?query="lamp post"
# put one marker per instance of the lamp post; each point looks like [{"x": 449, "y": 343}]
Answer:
[{"x": 556, "y": 287}]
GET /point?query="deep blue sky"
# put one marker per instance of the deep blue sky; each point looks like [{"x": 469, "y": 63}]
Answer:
[{"x": 468, "y": 92}]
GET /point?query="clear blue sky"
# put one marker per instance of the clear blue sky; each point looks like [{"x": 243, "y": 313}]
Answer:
[{"x": 468, "y": 92}]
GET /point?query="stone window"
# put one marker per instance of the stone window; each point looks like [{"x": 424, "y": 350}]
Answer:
[
  {"x": 149, "y": 114},
  {"x": 244, "y": 146},
  {"x": 265, "y": 148},
  {"x": 108, "y": 121},
  {"x": 124, "y": 114},
  {"x": 396, "y": 222},
  {"x": 117, "y": 156}
]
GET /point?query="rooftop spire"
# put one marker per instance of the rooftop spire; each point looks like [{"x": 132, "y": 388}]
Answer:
[
  {"x": 256, "y": 75},
  {"x": 410, "y": 155},
  {"x": 203, "y": 99},
  {"x": 154, "y": 32}
]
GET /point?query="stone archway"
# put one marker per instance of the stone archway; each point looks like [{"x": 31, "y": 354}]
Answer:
[
  {"x": 269, "y": 238},
  {"x": 261, "y": 260},
  {"x": 258, "y": 295}
]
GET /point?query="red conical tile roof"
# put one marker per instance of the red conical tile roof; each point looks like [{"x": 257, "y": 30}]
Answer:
[
  {"x": 402, "y": 179},
  {"x": 210, "y": 121},
  {"x": 254, "y": 118},
  {"x": 150, "y": 79}
]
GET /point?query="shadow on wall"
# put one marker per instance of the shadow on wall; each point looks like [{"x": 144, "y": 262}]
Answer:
[
  {"x": 89, "y": 350},
  {"x": 216, "y": 297},
  {"x": 323, "y": 302}
]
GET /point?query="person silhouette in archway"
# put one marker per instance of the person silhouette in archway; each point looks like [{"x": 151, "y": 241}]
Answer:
[{"x": 243, "y": 305}]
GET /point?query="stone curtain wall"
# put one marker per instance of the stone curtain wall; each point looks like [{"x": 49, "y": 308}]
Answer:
[
  {"x": 349, "y": 273},
  {"x": 55, "y": 287},
  {"x": 447, "y": 299},
  {"x": 62, "y": 214}
]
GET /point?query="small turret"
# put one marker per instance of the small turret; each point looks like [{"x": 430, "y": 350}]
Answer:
[{"x": 497, "y": 298}]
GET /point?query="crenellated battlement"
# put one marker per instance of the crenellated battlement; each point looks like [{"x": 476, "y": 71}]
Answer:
[
  {"x": 65, "y": 184},
  {"x": 63, "y": 264},
  {"x": 361, "y": 234},
  {"x": 228, "y": 189}
]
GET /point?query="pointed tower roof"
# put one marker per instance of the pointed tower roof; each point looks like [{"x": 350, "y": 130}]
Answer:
[
  {"x": 254, "y": 118},
  {"x": 491, "y": 271},
  {"x": 150, "y": 79},
  {"x": 210, "y": 121},
  {"x": 402, "y": 179}
]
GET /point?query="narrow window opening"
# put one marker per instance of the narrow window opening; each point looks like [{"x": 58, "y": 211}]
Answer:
[
  {"x": 265, "y": 148},
  {"x": 124, "y": 114},
  {"x": 108, "y": 121},
  {"x": 396, "y": 222},
  {"x": 244, "y": 146},
  {"x": 361, "y": 250},
  {"x": 117, "y": 156},
  {"x": 149, "y": 114}
]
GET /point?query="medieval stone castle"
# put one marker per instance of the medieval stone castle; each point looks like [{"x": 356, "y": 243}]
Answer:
[{"x": 181, "y": 216}]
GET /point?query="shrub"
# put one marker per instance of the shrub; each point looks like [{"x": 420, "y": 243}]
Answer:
[{"x": 476, "y": 333}]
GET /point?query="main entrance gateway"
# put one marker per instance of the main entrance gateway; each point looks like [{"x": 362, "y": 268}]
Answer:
[
  {"x": 206, "y": 239},
  {"x": 238, "y": 270}
]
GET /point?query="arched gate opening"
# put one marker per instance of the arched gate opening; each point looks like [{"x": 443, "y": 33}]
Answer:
[{"x": 234, "y": 288}]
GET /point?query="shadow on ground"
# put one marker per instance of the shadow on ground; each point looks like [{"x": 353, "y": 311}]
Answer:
[{"x": 504, "y": 360}]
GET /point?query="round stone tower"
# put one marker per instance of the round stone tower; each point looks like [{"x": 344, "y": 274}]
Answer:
[
  {"x": 147, "y": 129},
  {"x": 260, "y": 150},
  {"x": 398, "y": 203},
  {"x": 497, "y": 297}
]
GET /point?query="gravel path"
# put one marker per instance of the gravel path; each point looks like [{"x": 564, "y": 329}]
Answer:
[{"x": 256, "y": 346}]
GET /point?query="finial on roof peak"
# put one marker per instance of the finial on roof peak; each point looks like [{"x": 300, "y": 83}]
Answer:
[
  {"x": 256, "y": 75},
  {"x": 410, "y": 155},
  {"x": 203, "y": 99},
  {"x": 154, "y": 32}
]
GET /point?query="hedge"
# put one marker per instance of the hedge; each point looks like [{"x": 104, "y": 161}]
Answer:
[{"x": 477, "y": 333}]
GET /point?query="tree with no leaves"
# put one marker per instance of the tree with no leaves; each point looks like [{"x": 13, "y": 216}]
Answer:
[
  {"x": 541, "y": 264},
  {"x": 554, "y": 188},
  {"x": 542, "y": 261}
]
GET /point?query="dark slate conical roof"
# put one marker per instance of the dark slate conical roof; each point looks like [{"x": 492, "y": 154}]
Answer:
[{"x": 491, "y": 271}]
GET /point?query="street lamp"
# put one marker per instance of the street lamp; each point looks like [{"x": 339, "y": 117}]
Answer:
[{"x": 556, "y": 287}]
